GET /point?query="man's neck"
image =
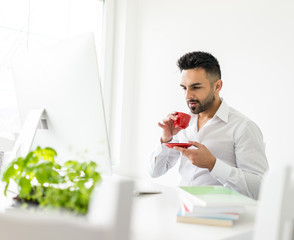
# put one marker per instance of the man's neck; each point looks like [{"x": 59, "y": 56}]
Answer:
[{"x": 209, "y": 113}]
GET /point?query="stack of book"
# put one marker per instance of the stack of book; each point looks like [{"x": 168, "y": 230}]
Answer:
[{"x": 211, "y": 205}]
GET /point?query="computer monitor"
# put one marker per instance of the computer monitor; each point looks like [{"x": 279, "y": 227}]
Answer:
[{"x": 58, "y": 87}]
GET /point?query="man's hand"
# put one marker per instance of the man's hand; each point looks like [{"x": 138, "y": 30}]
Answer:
[
  {"x": 200, "y": 157},
  {"x": 169, "y": 130}
]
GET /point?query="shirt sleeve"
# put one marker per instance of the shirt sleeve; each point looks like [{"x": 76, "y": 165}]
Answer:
[
  {"x": 163, "y": 159},
  {"x": 251, "y": 162}
]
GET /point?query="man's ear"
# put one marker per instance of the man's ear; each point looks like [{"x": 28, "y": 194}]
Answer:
[{"x": 218, "y": 85}]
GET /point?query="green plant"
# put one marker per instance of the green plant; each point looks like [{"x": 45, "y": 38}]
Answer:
[{"x": 40, "y": 179}]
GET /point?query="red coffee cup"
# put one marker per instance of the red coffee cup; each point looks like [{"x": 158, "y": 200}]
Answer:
[{"x": 182, "y": 121}]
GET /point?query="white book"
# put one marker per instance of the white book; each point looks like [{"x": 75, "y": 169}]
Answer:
[
  {"x": 230, "y": 216},
  {"x": 231, "y": 213},
  {"x": 225, "y": 209}
]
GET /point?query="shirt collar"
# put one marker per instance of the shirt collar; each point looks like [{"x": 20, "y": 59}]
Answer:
[{"x": 223, "y": 111}]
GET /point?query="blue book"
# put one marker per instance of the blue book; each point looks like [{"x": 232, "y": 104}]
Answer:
[{"x": 213, "y": 221}]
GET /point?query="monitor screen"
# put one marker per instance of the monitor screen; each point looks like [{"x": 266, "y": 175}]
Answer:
[{"x": 63, "y": 79}]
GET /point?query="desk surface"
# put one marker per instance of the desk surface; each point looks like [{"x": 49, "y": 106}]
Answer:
[{"x": 154, "y": 217}]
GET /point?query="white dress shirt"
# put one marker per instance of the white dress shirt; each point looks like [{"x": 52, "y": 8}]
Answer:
[{"x": 235, "y": 141}]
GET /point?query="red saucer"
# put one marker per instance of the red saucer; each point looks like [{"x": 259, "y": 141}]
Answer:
[{"x": 183, "y": 145}]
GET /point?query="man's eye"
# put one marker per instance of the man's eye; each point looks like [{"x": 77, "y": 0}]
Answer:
[{"x": 196, "y": 87}]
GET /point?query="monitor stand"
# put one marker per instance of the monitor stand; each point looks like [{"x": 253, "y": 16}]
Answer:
[{"x": 35, "y": 119}]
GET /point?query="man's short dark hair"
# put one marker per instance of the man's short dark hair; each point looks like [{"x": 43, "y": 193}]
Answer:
[{"x": 204, "y": 60}]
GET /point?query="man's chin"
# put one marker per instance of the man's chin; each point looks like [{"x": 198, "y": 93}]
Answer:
[{"x": 194, "y": 110}]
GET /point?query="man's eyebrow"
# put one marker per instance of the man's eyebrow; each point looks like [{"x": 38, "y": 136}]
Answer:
[{"x": 192, "y": 85}]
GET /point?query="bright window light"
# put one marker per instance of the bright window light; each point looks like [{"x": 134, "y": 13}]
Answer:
[{"x": 29, "y": 24}]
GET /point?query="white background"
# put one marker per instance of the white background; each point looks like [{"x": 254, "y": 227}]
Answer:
[{"x": 253, "y": 41}]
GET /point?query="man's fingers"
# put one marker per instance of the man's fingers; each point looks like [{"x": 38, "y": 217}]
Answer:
[
  {"x": 165, "y": 125},
  {"x": 172, "y": 116},
  {"x": 196, "y": 144},
  {"x": 180, "y": 149}
]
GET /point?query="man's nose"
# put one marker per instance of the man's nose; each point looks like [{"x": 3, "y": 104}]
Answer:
[{"x": 189, "y": 94}]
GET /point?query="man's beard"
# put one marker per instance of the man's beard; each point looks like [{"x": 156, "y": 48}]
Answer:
[{"x": 203, "y": 105}]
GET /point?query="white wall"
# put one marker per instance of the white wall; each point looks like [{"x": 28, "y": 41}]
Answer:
[{"x": 253, "y": 41}]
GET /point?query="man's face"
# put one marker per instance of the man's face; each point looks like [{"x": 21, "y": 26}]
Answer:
[{"x": 198, "y": 91}]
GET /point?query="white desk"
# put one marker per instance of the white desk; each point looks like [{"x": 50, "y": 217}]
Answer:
[{"x": 154, "y": 218}]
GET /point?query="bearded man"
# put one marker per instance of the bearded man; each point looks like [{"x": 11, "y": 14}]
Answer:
[{"x": 227, "y": 147}]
